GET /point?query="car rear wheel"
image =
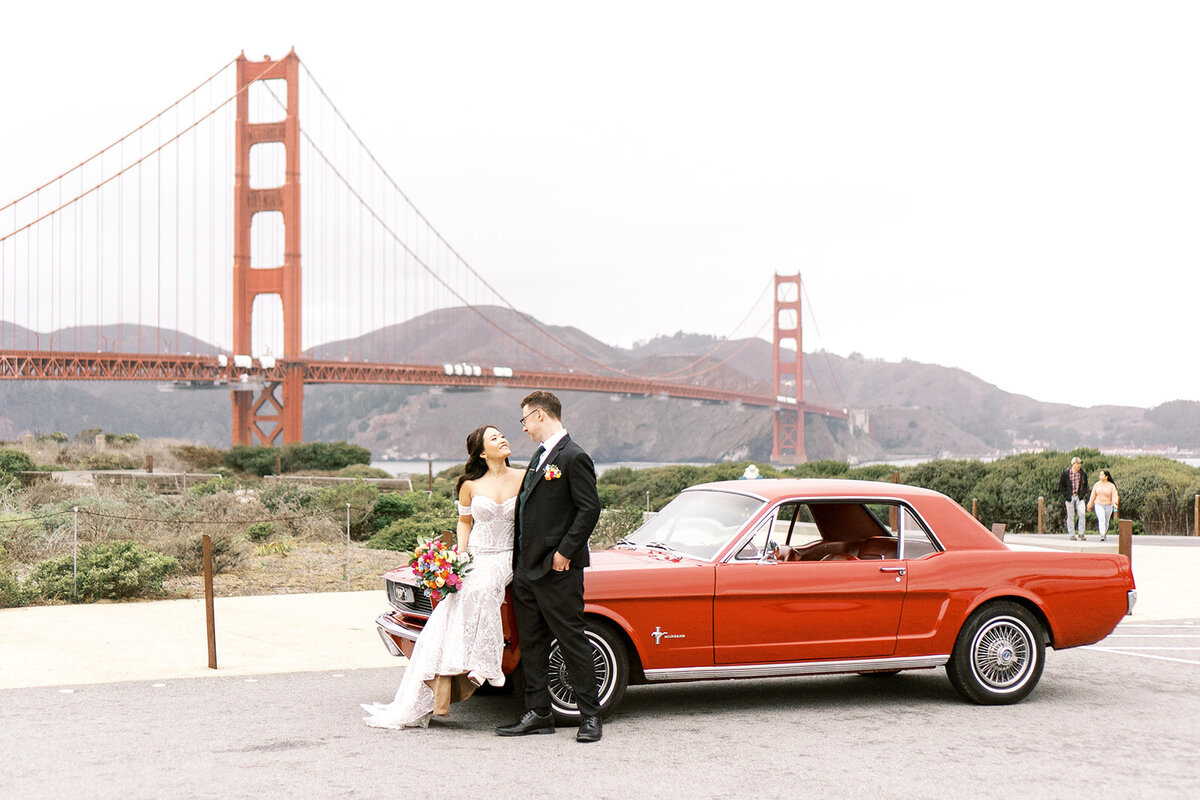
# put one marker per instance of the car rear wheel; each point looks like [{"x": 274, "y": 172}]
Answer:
[
  {"x": 612, "y": 673},
  {"x": 999, "y": 655}
]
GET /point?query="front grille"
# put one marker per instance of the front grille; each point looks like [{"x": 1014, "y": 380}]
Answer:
[{"x": 398, "y": 594}]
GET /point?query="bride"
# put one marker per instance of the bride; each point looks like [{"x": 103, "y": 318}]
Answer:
[{"x": 461, "y": 644}]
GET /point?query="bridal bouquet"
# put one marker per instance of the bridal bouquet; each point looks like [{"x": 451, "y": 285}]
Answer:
[{"x": 440, "y": 567}]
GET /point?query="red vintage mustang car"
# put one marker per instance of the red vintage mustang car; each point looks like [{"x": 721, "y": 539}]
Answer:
[{"x": 751, "y": 579}]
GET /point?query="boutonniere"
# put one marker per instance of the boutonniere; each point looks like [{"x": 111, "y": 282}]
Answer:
[{"x": 552, "y": 472}]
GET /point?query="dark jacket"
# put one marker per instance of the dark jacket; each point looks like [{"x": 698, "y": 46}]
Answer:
[
  {"x": 1064, "y": 484},
  {"x": 557, "y": 515}
]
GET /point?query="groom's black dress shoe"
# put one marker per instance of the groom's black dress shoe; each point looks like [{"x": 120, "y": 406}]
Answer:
[
  {"x": 590, "y": 729},
  {"x": 532, "y": 722}
]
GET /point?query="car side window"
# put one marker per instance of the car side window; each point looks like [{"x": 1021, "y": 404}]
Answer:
[
  {"x": 914, "y": 539},
  {"x": 754, "y": 549}
]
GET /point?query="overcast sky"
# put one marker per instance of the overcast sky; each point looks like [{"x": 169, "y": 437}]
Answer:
[{"x": 1010, "y": 188}]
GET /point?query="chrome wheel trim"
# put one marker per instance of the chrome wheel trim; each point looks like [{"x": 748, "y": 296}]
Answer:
[
  {"x": 562, "y": 695},
  {"x": 1003, "y": 655}
]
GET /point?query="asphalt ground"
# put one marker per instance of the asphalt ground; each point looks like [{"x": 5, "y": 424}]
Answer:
[
  {"x": 116, "y": 700},
  {"x": 1100, "y": 723},
  {"x": 109, "y": 642}
]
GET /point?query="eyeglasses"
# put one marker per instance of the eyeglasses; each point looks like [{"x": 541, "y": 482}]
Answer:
[{"x": 527, "y": 416}]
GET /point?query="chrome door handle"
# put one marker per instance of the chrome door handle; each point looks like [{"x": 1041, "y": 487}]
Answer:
[{"x": 897, "y": 570}]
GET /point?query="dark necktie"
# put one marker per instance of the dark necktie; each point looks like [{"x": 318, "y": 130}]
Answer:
[{"x": 533, "y": 465}]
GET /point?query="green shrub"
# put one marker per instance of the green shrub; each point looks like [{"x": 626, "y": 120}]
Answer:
[
  {"x": 873, "y": 472},
  {"x": 280, "y": 497},
  {"x": 414, "y": 516},
  {"x": 323, "y": 456},
  {"x": 121, "y": 438},
  {"x": 827, "y": 468},
  {"x": 280, "y": 547},
  {"x": 361, "y": 497},
  {"x": 614, "y": 524},
  {"x": 11, "y": 593},
  {"x": 200, "y": 458},
  {"x": 12, "y": 462},
  {"x": 107, "y": 571},
  {"x": 392, "y": 506},
  {"x": 107, "y": 460},
  {"x": 955, "y": 479},
  {"x": 260, "y": 531},
  {"x": 254, "y": 459},
  {"x": 188, "y": 552},
  {"x": 301, "y": 457},
  {"x": 405, "y": 533},
  {"x": 213, "y": 486},
  {"x": 362, "y": 471},
  {"x": 57, "y": 436}
]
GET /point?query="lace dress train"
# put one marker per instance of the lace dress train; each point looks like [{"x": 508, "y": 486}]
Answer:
[{"x": 464, "y": 635}]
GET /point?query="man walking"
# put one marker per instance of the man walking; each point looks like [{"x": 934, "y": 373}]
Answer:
[
  {"x": 557, "y": 508},
  {"x": 1073, "y": 485}
]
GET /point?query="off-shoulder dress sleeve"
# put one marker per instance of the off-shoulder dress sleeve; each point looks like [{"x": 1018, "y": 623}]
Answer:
[{"x": 463, "y": 511}]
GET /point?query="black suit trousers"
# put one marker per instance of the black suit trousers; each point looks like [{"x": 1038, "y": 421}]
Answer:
[{"x": 549, "y": 608}]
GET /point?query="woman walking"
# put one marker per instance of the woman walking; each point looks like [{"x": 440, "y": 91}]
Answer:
[{"x": 1106, "y": 499}]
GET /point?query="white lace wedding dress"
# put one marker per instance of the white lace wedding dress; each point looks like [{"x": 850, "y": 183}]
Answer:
[{"x": 464, "y": 633}]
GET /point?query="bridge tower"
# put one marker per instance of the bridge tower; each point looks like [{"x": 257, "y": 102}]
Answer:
[
  {"x": 788, "y": 361},
  {"x": 282, "y": 413}
]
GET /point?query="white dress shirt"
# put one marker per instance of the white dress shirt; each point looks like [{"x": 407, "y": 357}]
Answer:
[{"x": 549, "y": 445}]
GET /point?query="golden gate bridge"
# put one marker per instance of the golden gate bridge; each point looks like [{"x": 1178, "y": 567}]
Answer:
[{"x": 133, "y": 263}]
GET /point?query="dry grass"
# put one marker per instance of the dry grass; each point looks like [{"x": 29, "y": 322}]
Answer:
[
  {"x": 309, "y": 567},
  {"x": 308, "y": 553}
]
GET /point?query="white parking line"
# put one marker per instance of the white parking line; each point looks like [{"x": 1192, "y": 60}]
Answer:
[
  {"x": 1151, "y": 647},
  {"x": 1126, "y": 652},
  {"x": 1153, "y": 636}
]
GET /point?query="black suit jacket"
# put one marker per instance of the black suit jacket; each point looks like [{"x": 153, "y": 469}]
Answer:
[
  {"x": 557, "y": 515},
  {"x": 1064, "y": 484}
]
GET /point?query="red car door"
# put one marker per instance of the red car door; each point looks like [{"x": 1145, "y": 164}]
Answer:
[{"x": 806, "y": 610}]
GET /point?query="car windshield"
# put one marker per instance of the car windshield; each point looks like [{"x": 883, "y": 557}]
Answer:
[{"x": 696, "y": 523}]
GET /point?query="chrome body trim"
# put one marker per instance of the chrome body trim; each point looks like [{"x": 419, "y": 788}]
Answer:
[
  {"x": 1130, "y": 601},
  {"x": 389, "y": 625},
  {"x": 793, "y": 668}
]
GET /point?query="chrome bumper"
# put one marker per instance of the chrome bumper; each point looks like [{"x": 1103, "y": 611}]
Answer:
[
  {"x": 1130, "y": 601},
  {"x": 386, "y": 625}
]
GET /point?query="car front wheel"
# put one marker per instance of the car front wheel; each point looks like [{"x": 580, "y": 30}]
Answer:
[
  {"x": 612, "y": 673},
  {"x": 999, "y": 654}
]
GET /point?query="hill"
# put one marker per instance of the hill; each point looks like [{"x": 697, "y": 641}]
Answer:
[{"x": 911, "y": 409}]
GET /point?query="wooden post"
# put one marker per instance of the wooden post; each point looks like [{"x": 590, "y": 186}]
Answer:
[
  {"x": 431, "y": 474},
  {"x": 149, "y": 463},
  {"x": 1125, "y": 539},
  {"x": 208, "y": 602},
  {"x": 1196, "y": 517},
  {"x": 1041, "y": 514},
  {"x": 975, "y": 508},
  {"x": 278, "y": 464}
]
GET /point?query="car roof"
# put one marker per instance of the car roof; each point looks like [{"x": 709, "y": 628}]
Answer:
[{"x": 772, "y": 489}]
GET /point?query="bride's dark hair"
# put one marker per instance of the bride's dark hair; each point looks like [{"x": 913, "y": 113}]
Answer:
[{"x": 476, "y": 463}]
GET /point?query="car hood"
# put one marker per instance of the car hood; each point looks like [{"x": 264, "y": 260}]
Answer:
[
  {"x": 618, "y": 560},
  {"x": 601, "y": 561}
]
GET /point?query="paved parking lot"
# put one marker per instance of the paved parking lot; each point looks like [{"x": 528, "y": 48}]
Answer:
[{"x": 1159, "y": 641}]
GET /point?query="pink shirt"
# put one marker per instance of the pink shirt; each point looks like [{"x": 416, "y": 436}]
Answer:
[{"x": 1104, "y": 493}]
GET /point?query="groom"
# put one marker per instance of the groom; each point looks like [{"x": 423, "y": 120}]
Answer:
[{"x": 556, "y": 510}]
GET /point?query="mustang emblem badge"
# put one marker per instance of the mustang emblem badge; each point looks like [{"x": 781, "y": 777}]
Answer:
[{"x": 659, "y": 634}]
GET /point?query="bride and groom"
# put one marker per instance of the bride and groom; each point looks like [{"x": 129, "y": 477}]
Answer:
[{"x": 529, "y": 526}]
